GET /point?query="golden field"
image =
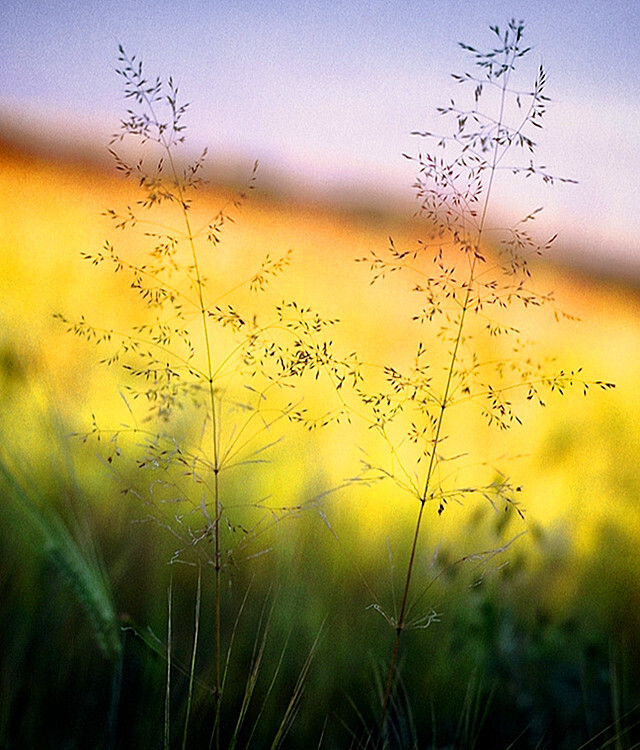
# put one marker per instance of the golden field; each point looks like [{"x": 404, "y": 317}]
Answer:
[
  {"x": 576, "y": 458},
  {"x": 577, "y": 455}
]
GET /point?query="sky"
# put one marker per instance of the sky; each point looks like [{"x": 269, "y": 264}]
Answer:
[{"x": 327, "y": 93}]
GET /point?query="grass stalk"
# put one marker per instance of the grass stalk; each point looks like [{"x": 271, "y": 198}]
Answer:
[
  {"x": 167, "y": 694},
  {"x": 194, "y": 651},
  {"x": 296, "y": 696},
  {"x": 499, "y": 146}
]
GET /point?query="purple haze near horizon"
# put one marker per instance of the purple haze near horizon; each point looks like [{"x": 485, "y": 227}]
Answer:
[{"x": 326, "y": 94}]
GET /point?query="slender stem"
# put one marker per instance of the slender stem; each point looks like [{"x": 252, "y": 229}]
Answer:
[
  {"x": 167, "y": 696},
  {"x": 216, "y": 472},
  {"x": 401, "y": 619},
  {"x": 216, "y": 534},
  {"x": 192, "y": 669},
  {"x": 498, "y": 153},
  {"x": 214, "y": 446}
]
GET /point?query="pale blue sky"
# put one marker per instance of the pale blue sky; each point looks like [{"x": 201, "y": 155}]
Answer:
[{"x": 328, "y": 92}]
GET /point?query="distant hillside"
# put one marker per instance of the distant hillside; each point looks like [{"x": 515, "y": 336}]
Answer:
[{"x": 228, "y": 174}]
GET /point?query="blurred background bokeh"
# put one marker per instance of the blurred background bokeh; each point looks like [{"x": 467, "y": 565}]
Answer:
[{"x": 537, "y": 645}]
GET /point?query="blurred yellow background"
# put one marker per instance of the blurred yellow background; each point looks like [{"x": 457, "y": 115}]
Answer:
[{"x": 578, "y": 456}]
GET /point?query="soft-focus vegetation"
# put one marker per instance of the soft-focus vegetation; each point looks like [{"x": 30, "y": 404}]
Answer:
[{"x": 534, "y": 644}]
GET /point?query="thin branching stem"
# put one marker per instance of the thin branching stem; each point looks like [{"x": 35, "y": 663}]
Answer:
[
  {"x": 214, "y": 441},
  {"x": 444, "y": 403}
]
